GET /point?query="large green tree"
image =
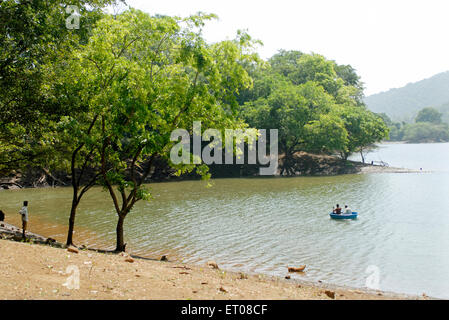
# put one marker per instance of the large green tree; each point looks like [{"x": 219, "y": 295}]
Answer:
[
  {"x": 364, "y": 129},
  {"x": 144, "y": 77},
  {"x": 34, "y": 33},
  {"x": 315, "y": 103},
  {"x": 300, "y": 112}
]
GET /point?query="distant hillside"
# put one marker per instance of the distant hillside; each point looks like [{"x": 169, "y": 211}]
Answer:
[{"x": 403, "y": 104}]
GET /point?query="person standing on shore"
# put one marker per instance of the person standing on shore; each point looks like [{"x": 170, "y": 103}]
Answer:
[{"x": 24, "y": 213}]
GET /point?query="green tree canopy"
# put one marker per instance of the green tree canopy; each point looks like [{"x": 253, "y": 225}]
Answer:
[
  {"x": 431, "y": 115},
  {"x": 364, "y": 128},
  {"x": 315, "y": 104},
  {"x": 141, "y": 77},
  {"x": 425, "y": 132},
  {"x": 34, "y": 34}
]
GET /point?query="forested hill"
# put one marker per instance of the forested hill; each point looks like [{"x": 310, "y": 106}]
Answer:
[{"x": 403, "y": 104}]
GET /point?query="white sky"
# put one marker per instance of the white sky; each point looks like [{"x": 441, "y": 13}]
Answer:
[{"x": 389, "y": 42}]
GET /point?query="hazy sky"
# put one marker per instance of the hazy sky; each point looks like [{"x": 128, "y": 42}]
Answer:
[{"x": 389, "y": 42}]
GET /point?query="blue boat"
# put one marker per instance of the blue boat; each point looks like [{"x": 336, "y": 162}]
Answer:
[{"x": 344, "y": 216}]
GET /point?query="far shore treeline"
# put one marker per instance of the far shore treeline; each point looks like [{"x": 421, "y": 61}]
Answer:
[
  {"x": 100, "y": 102},
  {"x": 428, "y": 127}
]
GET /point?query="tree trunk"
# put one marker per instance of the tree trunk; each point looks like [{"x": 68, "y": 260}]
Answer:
[
  {"x": 75, "y": 185},
  {"x": 288, "y": 165},
  {"x": 71, "y": 222},
  {"x": 361, "y": 154},
  {"x": 120, "y": 239}
]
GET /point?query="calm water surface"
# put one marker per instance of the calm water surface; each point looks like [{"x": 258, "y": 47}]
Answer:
[{"x": 263, "y": 225}]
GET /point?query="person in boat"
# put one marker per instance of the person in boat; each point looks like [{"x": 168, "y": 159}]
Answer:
[
  {"x": 337, "y": 210},
  {"x": 347, "y": 210}
]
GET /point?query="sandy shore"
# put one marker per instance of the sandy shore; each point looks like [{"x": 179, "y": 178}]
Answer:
[
  {"x": 33, "y": 271},
  {"x": 381, "y": 169}
]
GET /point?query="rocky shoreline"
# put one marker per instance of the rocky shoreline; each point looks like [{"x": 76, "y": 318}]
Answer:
[
  {"x": 11, "y": 232},
  {"x": 302, "y": 164},
  {"x": 42, "y": 271}
]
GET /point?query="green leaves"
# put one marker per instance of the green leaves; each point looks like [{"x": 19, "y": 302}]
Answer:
[
  {"x": 315, "y": 104},
  {"x": 363, "y": 126},
  {"x": 141, "y": 77},
  {"x": 34, "y": 38},
  {"x": 326, "y": 134}
]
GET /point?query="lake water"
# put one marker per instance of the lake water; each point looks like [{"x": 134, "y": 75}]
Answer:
[{"x": 264, "y": 224}]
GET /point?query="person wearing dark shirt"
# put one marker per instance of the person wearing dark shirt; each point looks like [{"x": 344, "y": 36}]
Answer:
[{"x": 337, "y": 210}]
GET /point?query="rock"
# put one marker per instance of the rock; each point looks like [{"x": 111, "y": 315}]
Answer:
[
  {"x": 203, "y": 283},
  {"x": 357, "y": 291},
  {"x": 129, "y": 259},
  {"x": 182, "y": 267},
  {"x": 72, "y": 249},
  {"x": 223, "y": 289},
  {"x": 299, "y": 269},
  {"x": 243, "y": 276},
  {"x": 164, "y": 258},
  {"x": 212, "y": 264},
  {"x": 50, "y": 241},
  {"x": 330, "y": 294}
]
